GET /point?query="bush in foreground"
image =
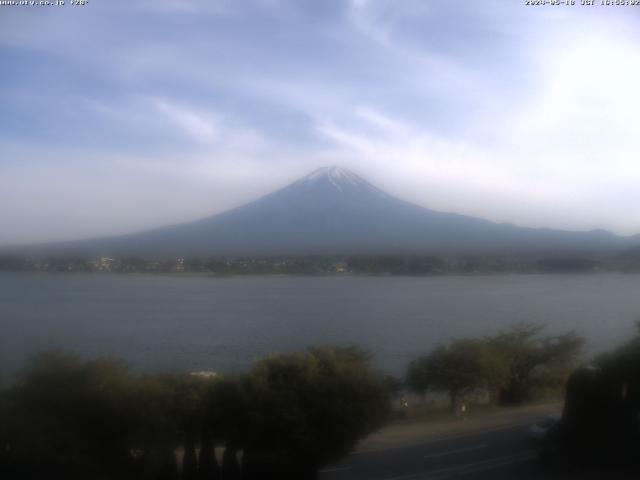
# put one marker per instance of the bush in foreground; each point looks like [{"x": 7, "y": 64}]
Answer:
[{"x": 71, "y": 418}]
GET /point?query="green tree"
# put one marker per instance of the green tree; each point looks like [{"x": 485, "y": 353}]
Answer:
[
  {"x": 208, "y": 464},
  {"x": 74, "y": 419},
  {"x": 308, "y": 409},
  {"x": 226, "y": 409},
  {"x": 187, "y": 409},
  {"x": 533, "y": 359},
  {"x": 71, "y": 418},
  {"x": 230, "y": 465},
  {"x": 458, "y": 368}
]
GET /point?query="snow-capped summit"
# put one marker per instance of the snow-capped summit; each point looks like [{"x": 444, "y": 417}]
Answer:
[{"x": 338, "y": 178}]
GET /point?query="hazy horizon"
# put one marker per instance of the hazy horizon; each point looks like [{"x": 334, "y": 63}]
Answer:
[
  {"x": 121, "y": 117},
  {"x": 310, "y": 175}
]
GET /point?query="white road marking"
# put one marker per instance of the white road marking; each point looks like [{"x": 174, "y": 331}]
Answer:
[{"x": 459, "y": 450}]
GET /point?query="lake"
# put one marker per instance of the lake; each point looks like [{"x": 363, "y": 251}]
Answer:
[{"x": 197, "y": 323}]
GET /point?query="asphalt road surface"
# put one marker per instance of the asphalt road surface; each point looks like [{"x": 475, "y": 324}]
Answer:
[{"x": 494, "y": 447}]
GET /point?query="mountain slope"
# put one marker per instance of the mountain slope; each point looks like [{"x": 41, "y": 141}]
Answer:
[{"x": 332, "y": 210}]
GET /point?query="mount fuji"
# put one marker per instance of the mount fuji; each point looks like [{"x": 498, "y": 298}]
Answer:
[{"x": 334, "y": 211}]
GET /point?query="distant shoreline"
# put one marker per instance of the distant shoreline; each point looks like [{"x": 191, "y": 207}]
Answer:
[
  {"x": 318, "y": 275},
  {"x": 330, "y": 265}
]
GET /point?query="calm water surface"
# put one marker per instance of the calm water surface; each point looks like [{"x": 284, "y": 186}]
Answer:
[{"x": 189, "y": 323}]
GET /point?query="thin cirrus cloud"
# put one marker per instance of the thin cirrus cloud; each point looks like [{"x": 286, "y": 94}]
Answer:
[{"x": 123, "y": 117}]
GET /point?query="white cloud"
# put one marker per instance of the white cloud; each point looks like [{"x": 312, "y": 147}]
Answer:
[
  {"x": 536, "y": 127},
  {"x": 201, "y": 127}
]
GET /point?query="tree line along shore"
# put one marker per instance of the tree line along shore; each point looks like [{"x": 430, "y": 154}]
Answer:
[
  {"x": 329, "y": 265},
  {"x": 68, "y": 417}
]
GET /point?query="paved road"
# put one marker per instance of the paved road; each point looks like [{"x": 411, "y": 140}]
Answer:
[
  {"x": 476, "y": 455},
  {"x": 495, "y": 447}
]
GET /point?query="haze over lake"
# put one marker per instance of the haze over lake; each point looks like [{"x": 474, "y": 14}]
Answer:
[{"x": 195, "y": 323}]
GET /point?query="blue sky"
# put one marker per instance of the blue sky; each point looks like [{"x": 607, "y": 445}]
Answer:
[{"x": 120, "y": 116}]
